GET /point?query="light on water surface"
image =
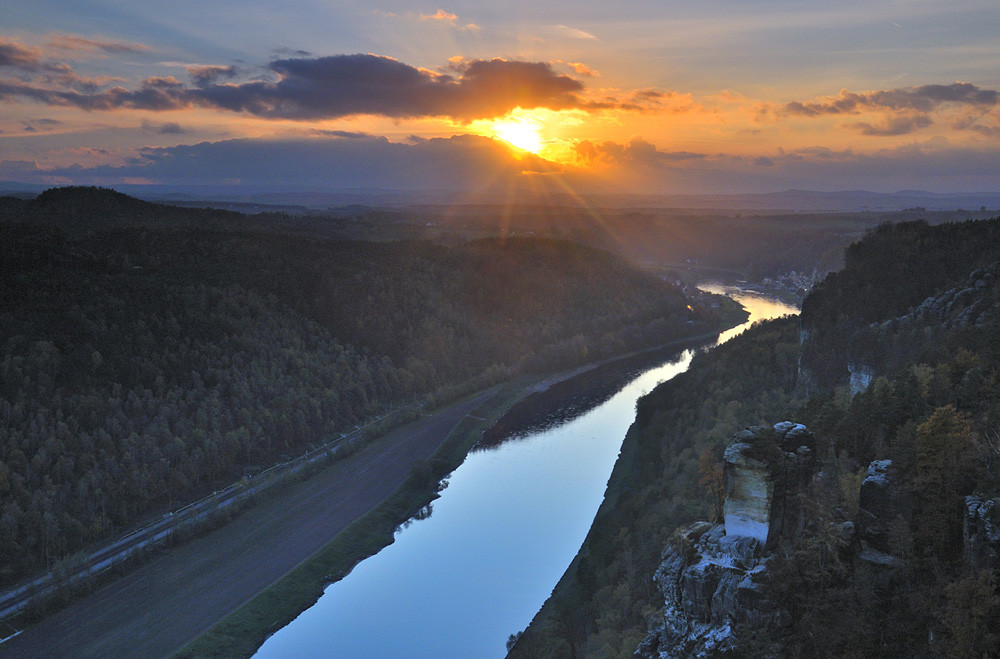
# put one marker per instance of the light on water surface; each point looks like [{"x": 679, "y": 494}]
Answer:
[{"x": 457, "y": 584}]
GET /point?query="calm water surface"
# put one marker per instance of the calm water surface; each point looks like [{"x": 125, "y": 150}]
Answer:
[{"x": 457, "y": 584}]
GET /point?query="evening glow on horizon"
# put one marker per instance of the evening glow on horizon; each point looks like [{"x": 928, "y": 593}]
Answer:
[{"x": 663, "y": 97}]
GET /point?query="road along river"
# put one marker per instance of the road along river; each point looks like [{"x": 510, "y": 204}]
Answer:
[{"x": 459, "y": 580}]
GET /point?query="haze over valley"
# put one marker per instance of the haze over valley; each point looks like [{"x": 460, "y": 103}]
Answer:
[{"x": 546, "y": 331}]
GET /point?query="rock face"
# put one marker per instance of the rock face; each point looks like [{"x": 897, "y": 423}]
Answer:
[
  {"x": 764, "y": 469},
  {"x": 710, "y": 575},
  {"x": 860, "y": 377},
  {"x": 981, "y": 534},
  {"x": 749, "y": 493},
  {"x": 877, "y": 508},
  {"x": 966, "y": 305}
]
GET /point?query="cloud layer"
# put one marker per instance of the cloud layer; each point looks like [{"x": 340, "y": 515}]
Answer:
[
  {"x": 328, "y": 161},
  {"x": 904, "y": 110},
  {"x": 338, "y": 160},
  {"x": 323, "y": 88}
]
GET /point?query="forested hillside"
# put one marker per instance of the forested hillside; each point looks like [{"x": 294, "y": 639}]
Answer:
[
  {"x": 910, "y": 567},
  {"x": 894, "y": 269},
  {"x": 145, "y": 360}
]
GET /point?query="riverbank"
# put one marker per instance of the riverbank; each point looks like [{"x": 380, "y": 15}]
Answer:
[{"x": 243, "y": 631}]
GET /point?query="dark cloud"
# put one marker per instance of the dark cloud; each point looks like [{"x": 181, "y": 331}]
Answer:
[
  {"x": 902, "y": 111},
  {"x": 477, "y": 163},
  {"x": 345, "y": 134},
  {"x": 763, "y": 161},
  {"x": 167, "y": 128},
  {"x": 464, "y": 162},
  {"x": 822, "y": 152},
  {"x": 923, "y": 99},
  {"x": 18, "y": 169},
  {"x": 894, "y": 125},
  {"x": 202, "y": 76},
  {"x": 29, "y": 64},
  {"x": 13, "y": 54},
  {"x": 290, "y": 52},
  {"x": 43, "y": 124},
  {"x": 973, "y": 123},
  {"x": 153, "y": 94},
  {"x": 342, "y": 85}
]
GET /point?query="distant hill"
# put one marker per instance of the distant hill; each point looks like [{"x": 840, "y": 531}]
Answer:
[{"x": 805, "y": 201}]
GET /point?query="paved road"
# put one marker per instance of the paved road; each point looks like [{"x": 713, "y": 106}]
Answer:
[{"x": 158, "y": 608}]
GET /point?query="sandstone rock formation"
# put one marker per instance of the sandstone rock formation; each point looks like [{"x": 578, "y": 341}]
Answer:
[
  {"x": 764, "y": 469},
  {"x": 710, "y": 575},
  {"x": 877, "y": 509},
  {"x": 981, "y": 534}
]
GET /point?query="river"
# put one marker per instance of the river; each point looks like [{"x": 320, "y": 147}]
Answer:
[{"x": 455, "y": 584}]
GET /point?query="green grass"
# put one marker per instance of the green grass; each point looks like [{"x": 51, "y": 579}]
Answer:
[{"x": 244, "y": 630}]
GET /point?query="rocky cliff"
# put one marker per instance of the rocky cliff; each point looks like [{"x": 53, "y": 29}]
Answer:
[
  {"x": 981, "y": 534},
  {"x": 863, "y": 352},
  {"x": 711, "y": 575}
]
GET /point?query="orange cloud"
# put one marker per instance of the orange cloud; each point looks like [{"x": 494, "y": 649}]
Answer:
[
  {"x": 582, "y": 69},
  {"x": 72, "y": 42},
  {"x": 574, "y": 33},
  {"x": 636, "y": 153},
  {"x": 206, "y": 75},
  {"x": 439, "y": 15}
]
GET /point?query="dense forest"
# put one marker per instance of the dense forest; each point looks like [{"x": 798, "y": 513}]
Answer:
[
  {"x": 150, "y": 354},
  {"x": 893, "y": 270},
  {"x": 921, "y": 305}
]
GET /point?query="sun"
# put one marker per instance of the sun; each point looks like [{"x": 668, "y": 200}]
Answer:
[{"x": 523, "y": 133}]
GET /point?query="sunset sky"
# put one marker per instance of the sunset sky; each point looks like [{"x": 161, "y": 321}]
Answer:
[{"x": 634, "y": 96}]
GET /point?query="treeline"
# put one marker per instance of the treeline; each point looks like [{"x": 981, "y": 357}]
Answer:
[
  {"x": 143, "y": 365},
  {"x": 935, "y": 412}
]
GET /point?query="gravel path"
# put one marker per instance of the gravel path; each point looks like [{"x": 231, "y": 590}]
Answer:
[{"x": 157, "y": 609}]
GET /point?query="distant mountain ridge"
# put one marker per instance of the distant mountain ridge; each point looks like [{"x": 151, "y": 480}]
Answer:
[{"x": 787, "y": 200}]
